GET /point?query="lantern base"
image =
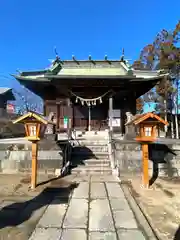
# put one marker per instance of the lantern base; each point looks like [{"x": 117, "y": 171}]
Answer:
[
  {"x": 145, "y": 139},
  {"x": 144, "y": 186}
]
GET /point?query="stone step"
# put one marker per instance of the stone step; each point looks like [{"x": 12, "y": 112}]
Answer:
[
  {"x": 90, "y": 149},
  {"x": 97, "y": 165},
  {"x": 97, "y": 162},
  {"x": 90, "y": 162},
  {"x": 81, "y": 157},
  {"x": 75, "y": 153},
  {"x": 97, "y": 149},
  {"x": 85, "y": 173},
  {"x": 91, "y": 142},
  {"x": 85, "y": 170}
]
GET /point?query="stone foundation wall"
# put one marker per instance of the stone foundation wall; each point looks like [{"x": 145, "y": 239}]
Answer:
[
  {"x": 16, "y": 158},
  {"x": 164, "y": 160},
  {"x": 20, "y": 161}
]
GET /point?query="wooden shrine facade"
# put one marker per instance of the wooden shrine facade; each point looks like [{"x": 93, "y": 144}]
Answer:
[
  {"x": 78, "y": 114},
  {"x": 81, "y": 90}
]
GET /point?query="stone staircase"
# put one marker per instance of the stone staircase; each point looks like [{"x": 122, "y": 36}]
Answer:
[{"x": 91, "y": 158}]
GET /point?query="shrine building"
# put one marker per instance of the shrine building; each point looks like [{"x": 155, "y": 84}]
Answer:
[{"x": 85, "y": 90}]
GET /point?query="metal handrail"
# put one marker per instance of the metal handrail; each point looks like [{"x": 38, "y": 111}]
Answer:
[
  {"x": 67, "y": 152},
  {"x": 112, "y": 150},
  {"x": 74, "y": 138}
]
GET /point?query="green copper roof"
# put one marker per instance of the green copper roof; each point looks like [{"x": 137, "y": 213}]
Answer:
[{"x": 87, "y": 68}]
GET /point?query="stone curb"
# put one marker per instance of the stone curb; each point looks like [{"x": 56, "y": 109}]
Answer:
[
  {"x": 140, "y": 215},
  {"x": 138, "y": 208}
]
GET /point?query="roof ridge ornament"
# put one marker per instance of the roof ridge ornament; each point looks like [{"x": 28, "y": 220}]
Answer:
[
  {"x": 19, "y": 71},
  {"x": 75, "y": 60},
  {"x": 125, "y": 61},
  {"x": 122, "y": 55},
  {"x": 56, "y": 53}
]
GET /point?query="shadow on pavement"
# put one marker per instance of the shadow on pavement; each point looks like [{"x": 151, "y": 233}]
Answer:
[
  {"x": 17, "y": 213},
  {"x": 80, "y": 154},
  {"x": 177, "y": 234},
  {"x": 47, "y": 181}
]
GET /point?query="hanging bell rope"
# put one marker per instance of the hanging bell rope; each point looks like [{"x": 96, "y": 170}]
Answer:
[{"x": 90, "y": 101}]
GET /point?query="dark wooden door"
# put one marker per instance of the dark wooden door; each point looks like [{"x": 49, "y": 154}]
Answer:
[{"x": 81, "y": 118}]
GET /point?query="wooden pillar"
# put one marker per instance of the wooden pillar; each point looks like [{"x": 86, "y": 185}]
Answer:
[
  {"x": 89, "y": 118},
  {"x": 110, "y": 113},
  {"x": 34, "y": 164},
  {"x": 57, "y": 116},
  {"x": 145, "y": 160},
  {"x": 68, "y": 107},
  {"x": 72, "y": 115}
]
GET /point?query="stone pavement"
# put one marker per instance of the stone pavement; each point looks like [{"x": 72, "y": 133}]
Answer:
[{"x": 97, "y": 209}]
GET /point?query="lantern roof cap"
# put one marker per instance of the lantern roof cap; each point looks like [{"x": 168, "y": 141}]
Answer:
[
  {"x": 32, "y": 116},
  {"x": 143, "y": 117}
]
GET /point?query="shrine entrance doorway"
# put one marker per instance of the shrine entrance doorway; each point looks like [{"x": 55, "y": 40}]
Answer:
[{"x": 90, "y": 118}]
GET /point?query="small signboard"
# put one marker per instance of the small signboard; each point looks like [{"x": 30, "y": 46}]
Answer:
[{"x": 116, "y": 122}]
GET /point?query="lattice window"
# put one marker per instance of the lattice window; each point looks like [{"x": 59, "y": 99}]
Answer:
[
  {"x": 148, "y": 131},
  {"x": 32, "y": 130}
]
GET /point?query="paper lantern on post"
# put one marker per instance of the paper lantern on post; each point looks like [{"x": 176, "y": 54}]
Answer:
[
  {"x": 146, "y": 127},
  {"x": 33, "y": 130},
  {"x": 35, "y": 125}
]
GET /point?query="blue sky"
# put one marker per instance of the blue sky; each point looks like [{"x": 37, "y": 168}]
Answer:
[{"x": 31, "y": 29}]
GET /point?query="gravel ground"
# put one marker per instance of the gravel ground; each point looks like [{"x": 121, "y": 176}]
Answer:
[{"x": 161, "y": 203}]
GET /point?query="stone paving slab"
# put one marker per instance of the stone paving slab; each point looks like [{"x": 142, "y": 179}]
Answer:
[
  {"x": 114, "y": 190},
  {"x": 74, "y": 234},
  {"x": 27, "y": 225},
  {"x": 130, "y": 235},
  {"x": 124, "y": 219},
  {"x": 119, "y": 204},
  {"x": 98, "y": 190},
  {"x": 102, "y": 236},
  {"x": 97, "y": 207},
  {"x": 46, "y": 234},
  {"x": 54, "y": 215},
  {"x": 104, "y": 178},
  {"x": 77, "y": 214},
  {"x": 82, "y": 191},
  {"x": 100, "y": 217},
  {"x": 82, "y": 178}
]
